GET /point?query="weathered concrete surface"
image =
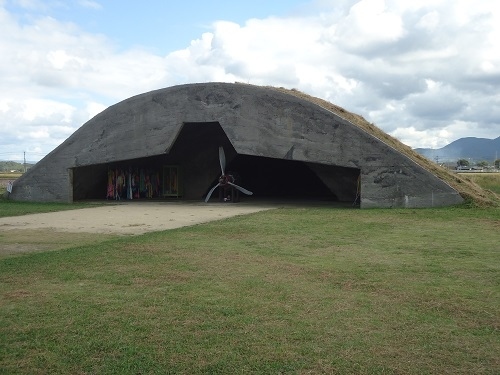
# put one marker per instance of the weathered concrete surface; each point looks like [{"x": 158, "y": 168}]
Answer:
[{"x": 255, "y": 121}]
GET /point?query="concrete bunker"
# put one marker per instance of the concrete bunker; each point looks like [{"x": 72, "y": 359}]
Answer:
[
  {"x": 282, "y": 145},
  {"x": 194, "y": 158}
]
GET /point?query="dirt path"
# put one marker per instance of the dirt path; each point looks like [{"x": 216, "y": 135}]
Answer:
[{"x": 128, "y": 218}]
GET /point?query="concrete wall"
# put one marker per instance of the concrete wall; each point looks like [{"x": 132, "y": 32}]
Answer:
[{"x": 257, "y": 121}]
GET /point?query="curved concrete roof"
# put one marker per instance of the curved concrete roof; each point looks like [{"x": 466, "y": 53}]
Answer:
[{"x": 257, "y": 121}]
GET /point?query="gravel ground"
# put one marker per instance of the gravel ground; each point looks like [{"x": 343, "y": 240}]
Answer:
[{"x": 129, "y": 218}]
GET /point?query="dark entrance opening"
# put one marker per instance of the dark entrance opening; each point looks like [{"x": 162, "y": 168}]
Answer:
[
  {"x": 281, "y": 179},
  {"x": 275, "y": 178},
  {"x": 195, "y": 153},
  {"x": 91, "y": 182}
]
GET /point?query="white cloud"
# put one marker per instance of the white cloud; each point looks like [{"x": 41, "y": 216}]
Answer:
[
  {"x": 427, "y": 72},
  {"x": 369, "y": 25},
  {"x": 93, "y": 108},
  {"x": 90, "y": 4},
  {"x": 31, "y": 4},
  {"x": 429, "y": 21}
]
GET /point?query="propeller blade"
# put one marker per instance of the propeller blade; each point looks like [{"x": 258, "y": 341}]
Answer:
[
  {"x": 243, "y": 190},
  {"x": 222, "y": 159},
  {"x": 210, "y": 192}
]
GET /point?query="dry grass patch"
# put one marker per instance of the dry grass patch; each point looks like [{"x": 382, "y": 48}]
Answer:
[
  {"x": 489, "y": 181},
  {"x": 23, "y": 241}
]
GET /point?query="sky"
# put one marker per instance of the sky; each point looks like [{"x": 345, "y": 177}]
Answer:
[{"x": 427, "y": 72}]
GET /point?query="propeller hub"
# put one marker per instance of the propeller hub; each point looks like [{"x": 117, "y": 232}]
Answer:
[{"x": 226, "y": 179}]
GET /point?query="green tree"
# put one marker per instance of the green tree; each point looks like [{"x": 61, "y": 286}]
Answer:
[
  {"x": 482, "y": 164},
  {"x": 497, "y": 164},
  {"x": 7, "y": 166},
  {"x": 463, "y": 163}
]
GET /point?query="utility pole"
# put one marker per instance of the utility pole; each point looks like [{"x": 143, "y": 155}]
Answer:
[{"x": 24, "y": 161}]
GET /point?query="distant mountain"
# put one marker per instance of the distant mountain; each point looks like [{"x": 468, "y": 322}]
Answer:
[{"x": 475, "y": 149}]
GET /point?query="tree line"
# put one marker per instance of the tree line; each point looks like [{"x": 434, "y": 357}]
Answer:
[
  {"x": 481, "y": 164},
  {"x": 7, "y": 166}
]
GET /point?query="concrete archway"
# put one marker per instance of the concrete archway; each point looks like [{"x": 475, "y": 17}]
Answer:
[{"x": 267, "y": 133}]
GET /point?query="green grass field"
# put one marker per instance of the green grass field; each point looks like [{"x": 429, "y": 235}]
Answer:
[
  {"x": 16, "y": 208},
  {"x": 286, "y": 291},
  {"x": 490, "y": 181}
]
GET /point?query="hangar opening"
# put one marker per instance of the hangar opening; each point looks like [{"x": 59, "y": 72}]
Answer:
[
  {"x": 113, "y": 180},
  {"x": 293, "y": 180},
  {"x": 191, "y": 167}
]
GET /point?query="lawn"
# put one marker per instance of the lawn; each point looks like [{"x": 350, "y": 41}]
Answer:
[
  {"x": 16, "y": 208},
  {"x": 292, "y": 290}
]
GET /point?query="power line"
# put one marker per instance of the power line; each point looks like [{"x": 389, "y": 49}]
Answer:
[
  {"x": 28, "y": 152},
  {"x": 26, "y": 155}
]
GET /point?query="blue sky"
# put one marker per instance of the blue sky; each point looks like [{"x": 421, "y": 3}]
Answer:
[
  {"x": 426, "y": 72},
  {"x": 158, "y": 26}
]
